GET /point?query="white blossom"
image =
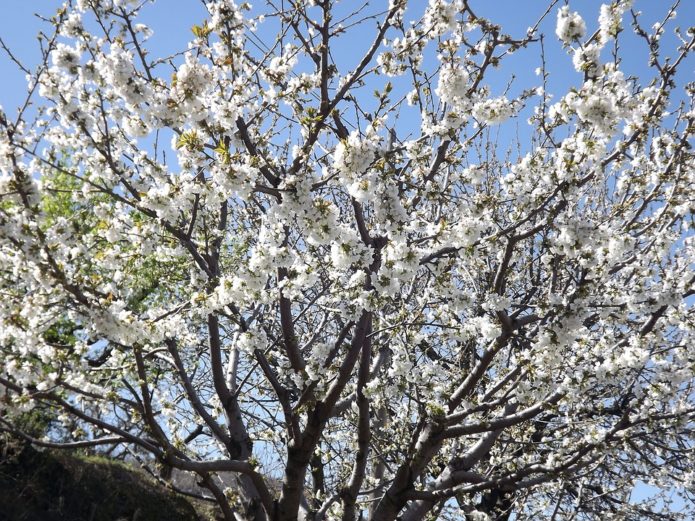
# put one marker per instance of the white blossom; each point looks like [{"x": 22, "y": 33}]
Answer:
[{"x": 570, "y": 25}]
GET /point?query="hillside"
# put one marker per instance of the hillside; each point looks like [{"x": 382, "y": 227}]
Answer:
[{"x": 58, "y": 486}]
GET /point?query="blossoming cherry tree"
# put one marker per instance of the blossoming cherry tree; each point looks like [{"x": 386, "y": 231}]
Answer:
[{"x": 353, "y": 256}]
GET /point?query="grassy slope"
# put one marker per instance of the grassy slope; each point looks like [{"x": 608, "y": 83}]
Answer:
[{"x": 56, "y": 486}]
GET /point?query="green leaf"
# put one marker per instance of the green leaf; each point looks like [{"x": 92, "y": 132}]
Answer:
[{"x": 201, "y": 31}]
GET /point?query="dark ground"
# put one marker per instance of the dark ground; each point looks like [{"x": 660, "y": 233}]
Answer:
[{"x": 57, "y": 486}]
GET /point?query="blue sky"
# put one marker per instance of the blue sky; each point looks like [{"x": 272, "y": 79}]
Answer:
[{"x": 172, "y": 20}]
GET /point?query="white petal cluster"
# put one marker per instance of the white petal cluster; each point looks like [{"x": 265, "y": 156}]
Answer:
[
  {"x": 225, "y": 12},
  {"x": 453, "y": 83},
  {"x": 350, "y": 251},
  {"x": 117, "y": 71},
  {"x": 610, "y": 19},
  {"x": 352, "y": 159},
  {"x": 494, "y": 110},
  {"x": 354, "y": 156},
  {"x": 441, "y": 15},
  {"x": 570, "y": 25},
  {"x": 65, "y": 57},
  {"x": 586, "y": 59}
]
